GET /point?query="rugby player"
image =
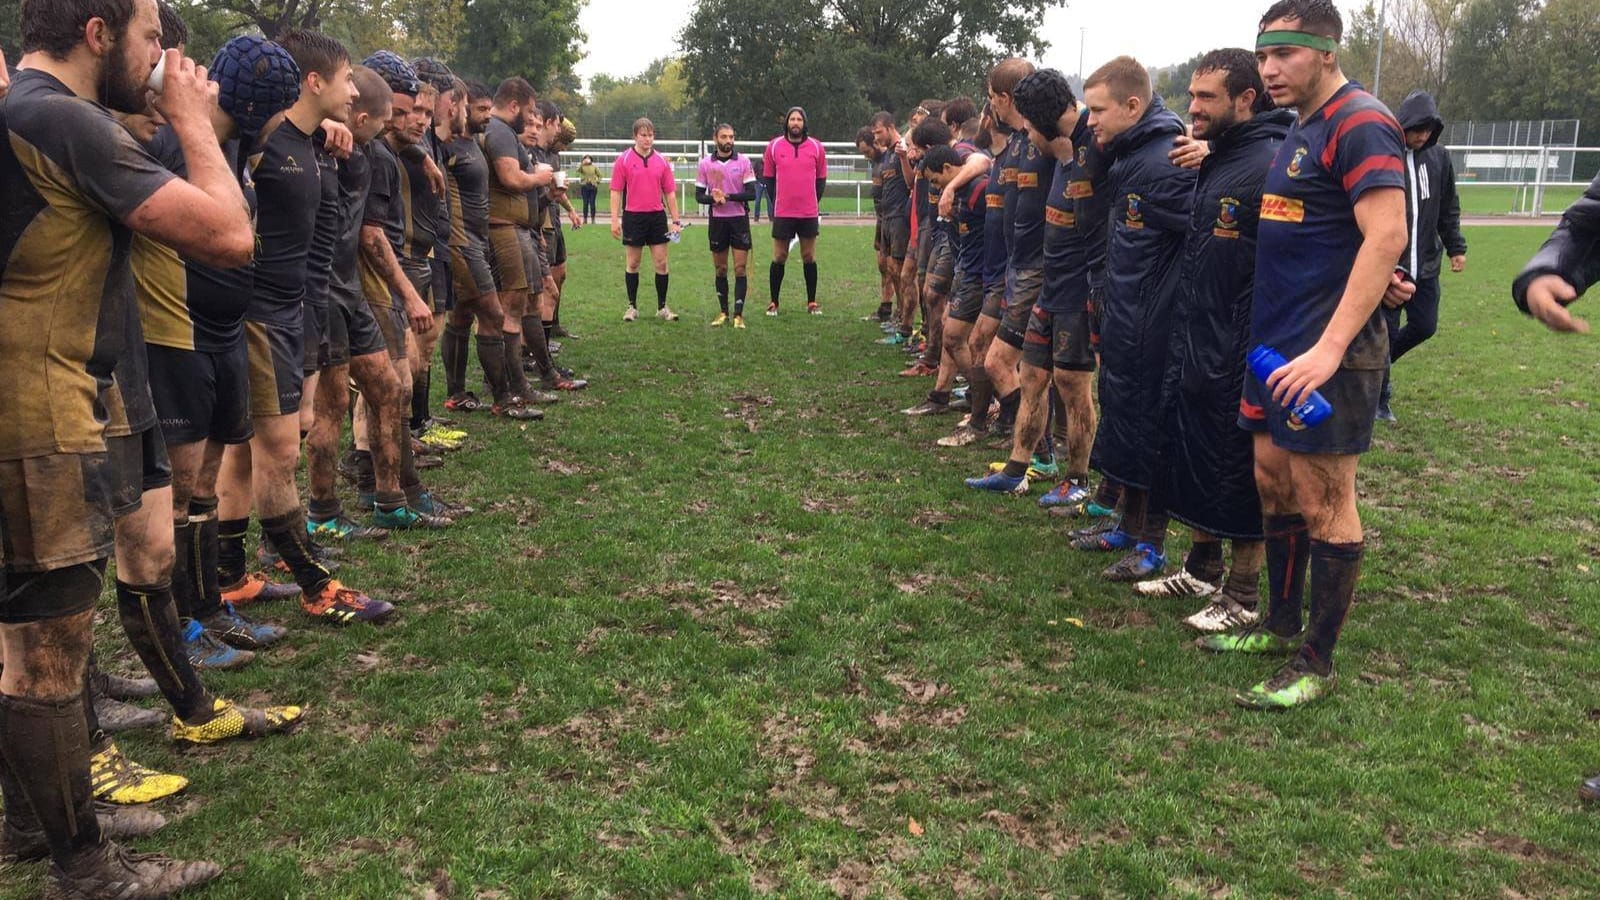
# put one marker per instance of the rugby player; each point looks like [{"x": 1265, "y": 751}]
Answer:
[
  {"x": 795, "y": 168},
  {"x": 1149, "y": 200},
  {"x": 1332, "y": 225},
  {"x": 894, "y": 214},
  {"x": 867, "y": 146},
  {"x": 509, "y": 183},
  {"x": 78, "y": 184},
  {"x": 644, "y": 213},
  {"x": 1206, "y": 477},
  {"x": 726, "y": 181}
]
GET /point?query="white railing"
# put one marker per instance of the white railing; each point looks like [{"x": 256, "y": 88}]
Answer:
[{"x": 1493, "y": 179}]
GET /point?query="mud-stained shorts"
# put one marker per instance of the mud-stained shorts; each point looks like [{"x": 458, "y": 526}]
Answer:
[
  {"x": 201, "y": 395},
  {"x": 55, "y": 512},
  {"x": 505, "y": 258},
  {"x": 470, "y": 271},
  {"x": 896, "y": 237},
  {"x": 139, "y": 463},
  {"x": 994, "y": 301},
  {"x": 1022, "y": 291},
  {"x": 276, "y": 357},
  {"x": 941, "y": 270},
  {"x": 966, "y": 299},
  {"x": 1353, "y": 393},
  {"x": 1058, "y": 341}
]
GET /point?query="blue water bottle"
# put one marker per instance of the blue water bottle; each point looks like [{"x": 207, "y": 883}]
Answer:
[{"x": 1263, "y": 362}]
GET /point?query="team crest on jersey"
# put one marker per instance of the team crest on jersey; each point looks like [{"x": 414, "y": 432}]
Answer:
[
  {"x": 1227, "y": 224},
  {"x": 1135, "y": 215},
  {"x": 1294, "y": 162},
  {"x": 1083, "y": 156},
  {"x": 1033, "y": 152}
]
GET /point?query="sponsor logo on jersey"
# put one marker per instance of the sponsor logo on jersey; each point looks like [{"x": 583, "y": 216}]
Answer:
[
  {"x": 1227, "y": 224},
  {"x": 1078, "y": 190},
  {"x": 1028, "y": 180},
  {"x": 1060, "y": 218},
  {"x": 1275, "y": 208},
  {"x": 290, "y": 166}
]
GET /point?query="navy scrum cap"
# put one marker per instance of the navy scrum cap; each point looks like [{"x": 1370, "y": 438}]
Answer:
[
  {"x": 434, "y": 72},
  {"x": 397, "y": 72},
  {"x": 256, "y": 79}
]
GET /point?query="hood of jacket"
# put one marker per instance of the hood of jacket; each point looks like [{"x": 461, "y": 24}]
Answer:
[
  {"x": 1269, "y": 125},
  {"x": 805, "y": 127},
  {"x": 1419, "y": 111}
]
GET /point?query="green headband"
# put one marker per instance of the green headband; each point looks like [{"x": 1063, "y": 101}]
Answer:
[{"x": 1297, "y": 39}]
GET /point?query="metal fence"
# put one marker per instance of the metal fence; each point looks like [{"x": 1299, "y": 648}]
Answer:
[{"x": 1493, "y": 179}]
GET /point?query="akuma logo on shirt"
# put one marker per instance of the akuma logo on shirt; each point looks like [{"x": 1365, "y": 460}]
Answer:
[
  {"x": 1227, "y": 224},
  {"x": 1134, "y": 218},
  {"x": 1275, "y": 208},
  {"x": 1294, "y": 163},
  {"x": 290, "y": 166}
]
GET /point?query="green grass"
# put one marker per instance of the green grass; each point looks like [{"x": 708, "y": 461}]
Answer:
[
  {"x": 727, "y": 623},
  {"x": 1499, "y": 200}
]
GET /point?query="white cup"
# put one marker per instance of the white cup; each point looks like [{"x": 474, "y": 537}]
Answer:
[
  {"x": 561, "y": 181},
  {"x": 158, "y": 75}
]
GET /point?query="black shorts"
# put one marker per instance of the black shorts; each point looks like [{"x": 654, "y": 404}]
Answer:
[
  {"x": 470, "y": 271},
  {"x": 644, "y": 229},
  {"x": 138, "y": 463},
  {"x": 1353, "y": 393},
  {"x": 1097, "y": 308},
  {"x": 201, "y": 396},
  {"x": 55, "y": 512},
  {"x": 1022, "y": 291},
  {"x": 940, "y": 273},
  {"x": 558, "y": 248},
  {"x": 276, "y": 357},
  {"x": 925, "y": 234},
  {"x": 444, "y": 294},
  {"x": 966, "y": 299},
  {"x": 727, "y": 232},
  {"x": 420, "y": 273},
  {"x": 393, "y": 324},
  {"x": 994, "y": 300},
  {"x": 787, "y": 228},
  {"x": 534, "y": 263},
  {"x": 897, "y": 238},
  {"x": 1058, "y": 341},
  {"x": 316, "y": 337}
]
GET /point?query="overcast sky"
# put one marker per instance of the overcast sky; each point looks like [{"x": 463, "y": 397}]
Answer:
[{"x": 1158, "y": 32}]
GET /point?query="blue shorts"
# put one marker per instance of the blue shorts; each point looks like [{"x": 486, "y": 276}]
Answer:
[{"x": 1353, "y": 393}]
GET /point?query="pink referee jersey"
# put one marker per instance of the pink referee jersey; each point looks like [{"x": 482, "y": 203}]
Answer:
[
  {"x": 643, "y": 179},
  {"x": 730, "y": 176},
  {"x": 797, "y": 168}
]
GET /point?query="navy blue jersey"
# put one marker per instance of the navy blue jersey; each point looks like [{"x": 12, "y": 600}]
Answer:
[
  {"x": 972, "y": 214},
  {"x": 1308, "y": 236},
  {"x": 330, "y": 217},
  {"x": 1034, "y": 171},
  {"x": 894, "y": 200},
  {"x": 288, "y": 192},
  {"x": 994, "y": 223}
]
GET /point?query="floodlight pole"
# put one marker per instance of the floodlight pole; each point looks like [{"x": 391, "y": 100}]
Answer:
[
  {"x": 1377, "y": 69},
  {"x": 1082, "y": 34}
]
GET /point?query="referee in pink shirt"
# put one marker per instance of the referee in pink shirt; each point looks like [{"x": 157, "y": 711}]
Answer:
[
  {"x": 795, "y": 168},
  {"x": 644, "y": 194}
]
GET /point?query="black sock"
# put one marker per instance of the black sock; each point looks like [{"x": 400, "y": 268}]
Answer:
[
  {"x": 410, "y": 481},
  {"x": 49, "y": 740},
  {"x": 940, "y": 397},
  {"x": 18, "y": 810},
  {"x": 453, "y": 351},
  {"x": 421, "y": 384},
  {"x": 1288, "y": 549},
  {"x": 810, "y": 270},
  {"x": 661, "y": 290},
  {"x": 980, "y": 391},
  {"x": 1135, "y": 503},
  {"x": 1154, "y": 529},
  {"x": 548, "y": 328},
  {"x": 530, "y": 324},
  {"x": 721, "y": 283},
  {"x": 741, "y": 287},
  {"x": 150, "y": 619},
  {"x": 492, "y": 357},
  {"x": 1335, "y": 569},
  {"x": 186, "y": 587},
  {"x": 287, "y": 534},
  {"x": 230, "y": 550},
  {"x": 1242, "y": 587},
  {"x": 1205, "y": 561},
  {"x": 366, "y": 475},
  {"x": 775, "y": 280},
  {"x": 516, "y": 378},
  {"x": 631, "y": 279},
  {"x": 203, "y": 513},
  {"x": 1108, "y": 494},
  {"x": 98, "y": 739},
  {"x": 1008, "y": 409}
]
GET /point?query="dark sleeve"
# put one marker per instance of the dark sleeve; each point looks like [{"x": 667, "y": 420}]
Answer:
[
  {"x": 822, "y": 185},
  {"x": 107, "y": 165},
  {"x": 703, "y": 196},
  {"x": 380, "y": 196},
  {"x": 500, "y": 142},
  {"x": 1572, "y": 251},
  {"x": 1455, "y": 244},
  {"x": 1172, "y": 195},
  {"x": 747, "y": 193}
]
